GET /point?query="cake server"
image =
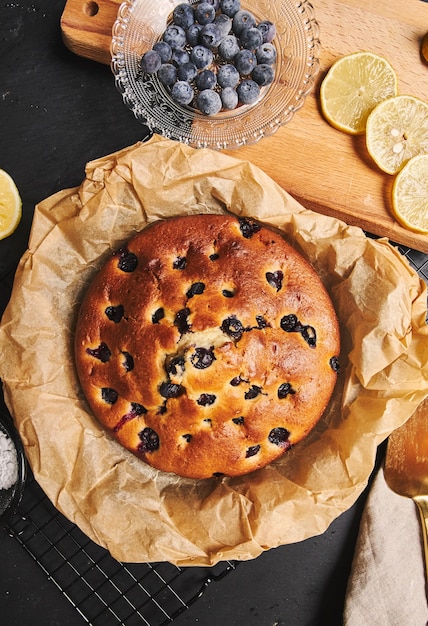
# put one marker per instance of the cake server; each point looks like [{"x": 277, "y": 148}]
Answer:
[{"x": 406, "y": 466}]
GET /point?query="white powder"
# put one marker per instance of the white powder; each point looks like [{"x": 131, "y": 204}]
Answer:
[{"x": 8, "y": 462}]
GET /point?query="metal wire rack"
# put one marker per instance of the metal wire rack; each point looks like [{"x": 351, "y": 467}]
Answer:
[
  {"x": 99, "y": 587},
  {"x": 103, "y": 590}
]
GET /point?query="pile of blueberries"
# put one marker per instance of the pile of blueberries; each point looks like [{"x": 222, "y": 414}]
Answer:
[{"x": 213, "y": 56}]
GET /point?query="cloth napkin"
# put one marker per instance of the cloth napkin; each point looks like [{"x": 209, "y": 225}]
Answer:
[{"x": 387, "y": 582}]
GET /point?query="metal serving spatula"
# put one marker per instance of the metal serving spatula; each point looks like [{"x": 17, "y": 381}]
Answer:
[{"x": 406, "y": 465}]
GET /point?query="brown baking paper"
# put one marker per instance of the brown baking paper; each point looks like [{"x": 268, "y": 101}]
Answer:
[{"x": 136, "y": 512}]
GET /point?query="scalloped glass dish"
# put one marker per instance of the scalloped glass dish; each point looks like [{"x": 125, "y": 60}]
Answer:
[
  {"x": 141, "y": 23},
  {"x": 10, "y": 497}
]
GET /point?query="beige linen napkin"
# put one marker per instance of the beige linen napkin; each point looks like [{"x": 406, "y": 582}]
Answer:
[{"x": 387, "y": 582}]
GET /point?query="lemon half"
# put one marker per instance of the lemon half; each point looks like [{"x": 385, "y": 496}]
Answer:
[
  {"x": 352, "y": 88},
  {"x": 397, "y": 130},
  {"x": 410, "y": 194},
  {"x": 10, "y": 205}
]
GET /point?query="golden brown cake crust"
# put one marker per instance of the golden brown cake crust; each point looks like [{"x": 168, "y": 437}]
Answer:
[{"x": 207, "y": 346}]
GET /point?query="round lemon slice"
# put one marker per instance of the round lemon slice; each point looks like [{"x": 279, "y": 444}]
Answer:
[
  {"x": 352, "y": 88},
  {"x": 10, "y": 205},
  {"x": 410, "y": 194},
  {"x": 397, "y": 130}
]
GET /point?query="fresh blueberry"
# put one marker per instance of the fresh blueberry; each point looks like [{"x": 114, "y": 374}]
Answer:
[
  {"x": 245, "y": 61},
  {"x": 204, "y": 13},
  {"x": 268, "y": 30},
  {"x": 248, "y": 91},
  {"x": 228, "y": 48},
  {"x": 241, "y": 20},
  {"x": 206, "y": 80},
  {"x": 230, "y": 7},
  {"x": 183, "y": 15},
  {"x": 210, "y": 36},
  {"x": 215, "y": 3},
  {"x": 224, "y": 23},
  {"x": 181, "y": 92},
  {"x": 201, "y": 57},
  {"x": 164, "y": 50},
  {"x": 175, "y": 36},
  {"x": 263, "y": 74},
  {"x": 167, "y": 74},
  {"x": 266, "y": 53},
  {"x": 192, "y": 34},
  {"x": 187, "y": 71},
  {"x": 151, "y": 62},
  {"x": 229, "y": 98},
  {"x": 227, "y": 76},
  {"x": 251, "y": 38},
  {"x": 179, "y": 57},
  {"x": 209, "y": 102}
]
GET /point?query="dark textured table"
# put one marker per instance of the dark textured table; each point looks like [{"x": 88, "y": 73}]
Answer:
[{"x": 57, "y": 112}]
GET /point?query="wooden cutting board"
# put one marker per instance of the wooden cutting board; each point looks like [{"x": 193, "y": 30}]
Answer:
[{"x": 328, "y": 171}]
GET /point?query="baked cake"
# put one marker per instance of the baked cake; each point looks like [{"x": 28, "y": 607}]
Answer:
[{"x": 207, "y": 346}]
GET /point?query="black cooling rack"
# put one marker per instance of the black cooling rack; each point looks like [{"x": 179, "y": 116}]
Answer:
[
  {"x": 103, "y": 590},
  {"x": 418, "y": 260},
  {"x": 99, "y": 587}
]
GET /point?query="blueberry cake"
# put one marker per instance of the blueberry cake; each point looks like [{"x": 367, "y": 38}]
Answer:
[{"x": 207, "y": 346}]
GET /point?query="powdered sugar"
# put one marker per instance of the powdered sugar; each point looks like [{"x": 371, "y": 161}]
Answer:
[{"x": 8, "y": 462}]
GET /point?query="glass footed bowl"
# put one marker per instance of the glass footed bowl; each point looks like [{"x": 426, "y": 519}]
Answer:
[
  {"x": 10, "y": 498},
  {"x": 141, "y": 23}
]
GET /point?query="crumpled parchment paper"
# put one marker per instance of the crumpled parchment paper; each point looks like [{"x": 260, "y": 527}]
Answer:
[{"x": 136, "y": 512}]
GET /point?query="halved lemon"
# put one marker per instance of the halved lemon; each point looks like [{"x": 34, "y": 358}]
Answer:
[
  {"x": 397, "y": 130},
  {"x": 410, "y": 194},
  {"x": 352, "y": 88},
  {"x": 10, "y": 205}
]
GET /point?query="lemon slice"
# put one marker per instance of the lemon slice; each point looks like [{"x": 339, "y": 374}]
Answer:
[
  {"x": 410, "y": 194},
  {"x": 10, "y": 205},
  {"x": 397, "y": 130},
  {"x": 353, "y": 86}
]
